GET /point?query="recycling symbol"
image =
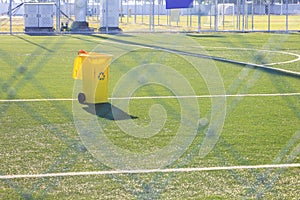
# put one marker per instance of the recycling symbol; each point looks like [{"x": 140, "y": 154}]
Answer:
[{"x": 101, "y": 76}]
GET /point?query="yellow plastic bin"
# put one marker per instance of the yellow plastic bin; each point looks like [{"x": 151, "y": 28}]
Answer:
[{"x": 92, "y": 69}]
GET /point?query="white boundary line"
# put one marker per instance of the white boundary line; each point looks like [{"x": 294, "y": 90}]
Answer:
[
  {"x": 266, "y": 66},
  {"x": 144, "y": 171},
  {"x": 158, "y": 97},
  {"x": 207, "y": 96},
  {"x": 33, "y": 100},
  {"x": 265, "y": 50}
]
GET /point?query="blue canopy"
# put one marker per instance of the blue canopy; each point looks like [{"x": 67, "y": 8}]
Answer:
[{"x": 179, "y": 4}]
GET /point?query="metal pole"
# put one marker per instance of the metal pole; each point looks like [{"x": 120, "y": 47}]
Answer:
[
  {"x": 199, "y": 18},
  {"x": 127, "y": 12},
  {"x": 252, "y": 17},
  {"x": 121, "y": 10},
  {"x": 243, "y": 21},
  {"x": 58, "y": 16},
  {"x": 152, "y": 16},
  {"x": 286, "y": 16},
  {"x": 168, "y": 21},
  {"x": 187, "y": 17},
  {"x": 210, "y": 16},
  {"x": 246, "y": 13},
  {"x": 238, "y": 19},
  {"x": 223, "y": 15},
  {"x": 216, "y": 15},
  {"x": 68, "y": 7},
  {"x": 191, "y": 18},
  {"x": 10, "y": 17},
  {"x": 269, "y": 18},
  {"x": 158, "y": 13},
  {"x": 106, "y": 15},
  {"x": 135, "y": 11},
  {"x": 143, "y": 2}
]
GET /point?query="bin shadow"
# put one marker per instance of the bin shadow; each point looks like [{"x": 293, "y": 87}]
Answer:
[{"x": 108, "y": 111}]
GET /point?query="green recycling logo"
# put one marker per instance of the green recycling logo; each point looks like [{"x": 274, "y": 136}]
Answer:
[{"x": 101, "y": 76}]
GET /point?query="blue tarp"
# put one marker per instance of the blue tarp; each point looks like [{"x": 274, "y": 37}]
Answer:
[{"x": 179, "y": 4}]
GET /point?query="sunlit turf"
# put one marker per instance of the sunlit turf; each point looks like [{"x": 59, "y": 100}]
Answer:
[
  {"x": 186, "y": 23},
  {"x": 41, "y": 137}
]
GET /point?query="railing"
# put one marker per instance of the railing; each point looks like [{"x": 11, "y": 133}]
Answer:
[{"x": 200, "y": 18}]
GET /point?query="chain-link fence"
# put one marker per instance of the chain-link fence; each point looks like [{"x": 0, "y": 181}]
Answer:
[{"x": 152, "y": 16}]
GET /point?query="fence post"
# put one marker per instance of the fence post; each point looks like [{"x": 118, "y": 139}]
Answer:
[
  {"x": 135, "y": 11},
  {"x": 152, "y": 13},
  {"x": 106, "y": 16},
  {"x": 252, "y": 17},
  {"x": 269, "y": 16},
  {"x": 10, "y": 17},
  {"x": 243, "y": 18},
  {"x": 238, "y": 19},
  {"x": 287, "y": 16},
  {"x": 57, "y": 16},
  {"x": 216, "y": 16},
  {"x": 199, "y": 17}
]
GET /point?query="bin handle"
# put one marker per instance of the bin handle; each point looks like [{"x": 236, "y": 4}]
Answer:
[{"x": 81, "y": 51}]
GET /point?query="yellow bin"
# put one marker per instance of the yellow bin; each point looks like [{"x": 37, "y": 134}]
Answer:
[{"x": 92, "y": 69}]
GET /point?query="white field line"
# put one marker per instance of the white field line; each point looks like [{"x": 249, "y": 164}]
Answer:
[
  {"x": 33, "y": 100},
  {"x": 207, "y": 96},
  {"x": 265, "y": 66},
  {"x": 159, "y": 97},
  {"x": 263, "y": 50},
  {"x": 230, "y": 48},
  {"x": 145, "y": 171}
]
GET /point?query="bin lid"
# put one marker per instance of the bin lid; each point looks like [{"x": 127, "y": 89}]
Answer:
[
  {"x": 95, "y": 54},
  {"x": 101, "y": 59}
]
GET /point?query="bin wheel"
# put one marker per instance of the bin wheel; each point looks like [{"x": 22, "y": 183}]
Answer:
[{"x": 81, "y": 98}]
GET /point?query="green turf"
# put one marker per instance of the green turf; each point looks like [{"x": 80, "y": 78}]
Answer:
[
  {"x": 41, "y": 137},
  {"x": 140, "y": 23}
]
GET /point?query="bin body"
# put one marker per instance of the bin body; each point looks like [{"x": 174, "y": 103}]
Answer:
[{"x": 93, "y": 69}]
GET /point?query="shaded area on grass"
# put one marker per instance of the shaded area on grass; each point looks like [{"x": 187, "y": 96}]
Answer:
[
  {"x": 261, "y": 67},
  {"x": 108, "y": 111},
  {"x": 35, "y": 44}
]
